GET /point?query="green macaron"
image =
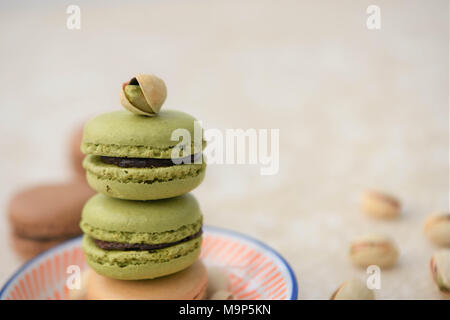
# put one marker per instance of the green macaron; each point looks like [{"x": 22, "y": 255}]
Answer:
[
  {"x": 132, "y": 240},
  {"x": 130, "y": 156}
]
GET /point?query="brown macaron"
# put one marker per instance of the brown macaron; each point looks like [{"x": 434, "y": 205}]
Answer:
[
  {"x": 189, "y": 284},
  {"x": 75, "y": 154},
  {"x": 46, "y": 215},
  {"x": 29, "y": 248}
]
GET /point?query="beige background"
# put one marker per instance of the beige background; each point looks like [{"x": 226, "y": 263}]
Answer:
[{"x": 355, "y": 109}]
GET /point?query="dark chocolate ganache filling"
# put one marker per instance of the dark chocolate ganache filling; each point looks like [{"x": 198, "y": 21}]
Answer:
[
  {"x": 109, "y": 245},
  {"x": 146, "y": 162}
]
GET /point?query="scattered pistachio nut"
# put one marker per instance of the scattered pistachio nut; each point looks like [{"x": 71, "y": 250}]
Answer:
[
  {"x": 437, "y": 228},
  {"x": 353, "y": 290},
  {"x": 80, "y": 293},
  {"x": 143, "y": 94},
  {"x": 380, "y": 205},
  {"x": 440, "y": 270},
  {"x": 222, "y": 295},
  {"x": 217, "y": 281},
  {"x": 374, "y": 249}
]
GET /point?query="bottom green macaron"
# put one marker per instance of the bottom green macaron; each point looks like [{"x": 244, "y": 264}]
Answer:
[
  {"x": 133, "y": 240},
  {"x": 137, "y": 265}
]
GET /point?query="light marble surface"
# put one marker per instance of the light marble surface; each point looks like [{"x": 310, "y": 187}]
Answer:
[{"x": 356, "y": 109}]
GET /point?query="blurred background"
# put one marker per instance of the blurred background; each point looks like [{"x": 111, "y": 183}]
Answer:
[{"x": 356, "y": 109}]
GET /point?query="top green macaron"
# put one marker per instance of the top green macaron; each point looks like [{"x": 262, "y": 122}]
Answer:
[
  {"x": 124, "y": 134},
  {"x": 133, "y": 157}
]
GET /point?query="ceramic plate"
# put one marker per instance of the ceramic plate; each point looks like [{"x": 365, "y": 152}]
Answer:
[{"x": 256, "y": 271}]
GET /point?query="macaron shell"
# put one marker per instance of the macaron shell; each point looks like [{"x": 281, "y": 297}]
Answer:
[
  {"x": 49, "y": 211},
  {"x": 124, "y": 134},
  {"x": 29, "y": 248},
  {"x": 158, "y": 221},
  {"x": 138, "y": 265},
  {"x": 143, "y": 183},
  {"x": 189, "y": 284},
  {"x": 75, "y": 154}
]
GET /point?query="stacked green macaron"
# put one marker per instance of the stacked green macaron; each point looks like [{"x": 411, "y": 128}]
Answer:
[
  {"x": 143, "y": 223},
  {"x": 130, "y": 156}
]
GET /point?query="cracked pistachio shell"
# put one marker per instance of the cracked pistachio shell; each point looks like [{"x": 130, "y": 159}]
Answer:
[
  {"x": 380, "y": 205},
  {"x": 353, "y": 290},
  {"x": 222, "y": 295},
  {"x": 440, "y": 270},
  {"x": 373, "y": 249},
  {"x": 217, "y": 281},
  {"x": 143, "y": 95},
  {"x": 437, "y": 228}
]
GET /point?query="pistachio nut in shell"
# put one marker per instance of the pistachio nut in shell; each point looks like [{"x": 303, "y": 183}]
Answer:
[
  {"x": 374, "y": 249},
  {"x": 440, "y": 270},
  {"x": 143, "y": 94},
  {"x": 353, "y": 290},
  {"x": 437, "y": 228},
  {"x": 380, "y": 205}
]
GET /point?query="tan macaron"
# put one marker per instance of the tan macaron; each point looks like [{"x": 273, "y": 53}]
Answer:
[{"x": 189, "y": 284}]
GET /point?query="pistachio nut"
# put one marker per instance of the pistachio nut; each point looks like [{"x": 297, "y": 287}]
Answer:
[
  {"x": 437, "y": 228},
  {"x": 440, "y": 270},
  {"x": 380, "y": 205},
  {"x": 222, "y": 295},
  {"x": 217, "y": 281},
  {"x": 374, "y": 249},
  {"x": 143, "y": 94},
  {"x": 353, "y": 290}
]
